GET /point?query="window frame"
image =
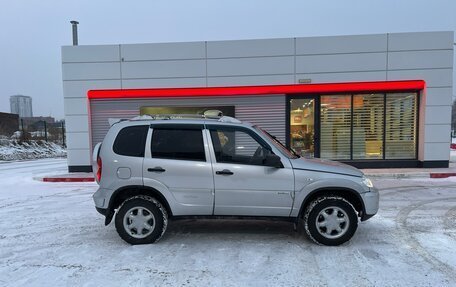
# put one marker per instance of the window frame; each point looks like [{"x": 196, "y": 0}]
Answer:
[
  {"x": 174, "y": 126},
  {"x": 251, "y": 133},
  {"x": 143, "y": 154}
]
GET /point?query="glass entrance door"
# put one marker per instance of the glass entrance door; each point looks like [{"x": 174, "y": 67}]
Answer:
[{"x": 302, "y": 126}]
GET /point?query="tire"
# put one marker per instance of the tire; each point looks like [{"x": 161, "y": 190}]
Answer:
[
  {"x": 330, "y": 220},
  {"x": 141, "y": 220}
]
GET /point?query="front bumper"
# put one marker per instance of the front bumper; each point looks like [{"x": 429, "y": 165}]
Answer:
[{"x": 371, "y": 201}]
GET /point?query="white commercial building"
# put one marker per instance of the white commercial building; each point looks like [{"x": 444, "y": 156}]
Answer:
[{"x": 379, "y": 100}]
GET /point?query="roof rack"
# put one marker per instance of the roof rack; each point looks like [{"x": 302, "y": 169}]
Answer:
[{"x": 222, "y": 119}]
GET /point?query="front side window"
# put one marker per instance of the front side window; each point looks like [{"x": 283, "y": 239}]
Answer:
[
  {"x": 180, "y": 144},
  {"x": 130, "y": 141},
  {"x": 238, "y": 146}
]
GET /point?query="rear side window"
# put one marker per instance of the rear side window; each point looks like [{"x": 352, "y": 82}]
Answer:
[
  {"x": 181, "y": 144},
  {"x": 131, "y": 141}
]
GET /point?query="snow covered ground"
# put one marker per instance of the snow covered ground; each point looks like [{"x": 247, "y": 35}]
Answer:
[
  {"x": 51, "y": 235},
  {"x": 16, "y": 150}
]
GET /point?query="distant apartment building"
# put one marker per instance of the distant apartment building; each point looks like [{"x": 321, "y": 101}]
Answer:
[{"x": 21, "y": 105}]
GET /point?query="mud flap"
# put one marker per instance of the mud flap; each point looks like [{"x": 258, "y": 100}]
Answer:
[{"x": 109, "y": 217}]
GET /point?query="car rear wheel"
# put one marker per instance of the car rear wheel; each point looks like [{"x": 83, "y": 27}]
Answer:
[
  {"x": 141, "y": 220},
  {"x": 330, "y": 220}
]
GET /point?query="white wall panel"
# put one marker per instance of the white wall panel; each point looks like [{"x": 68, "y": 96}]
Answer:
[
  {"x": 420, "y": 60},
  {"x": 341, "y": 63},
  {"x": 79, "y": 89},
  {"x": 78, "y": 140},
  {"x": 250, "y": 80},
  {"x": 250, "y": 66},
  {"x": 163, "y": 51},
  {"x": 163, "y": 83},
  {"x": 343, "y": 77},
  {"x": 90, "y": 71},
  {"x": 434, "y": 77},
  {"x": 77, "y": 123},
  {"x": 341, "y": 44},
  {"x": 98, "y": 53},
  {"x": 250, "y": 48},
  {"x": 420, "y": 41},
  {"x": 439, "y": 96},
  {"x": 75, "y": 106},
  {"x": 436, "y": 151},
  {"x": 164, "y": 69},
  {"x": 438, "y": 133},
  {"x": 438, "y": 115},
  {"x": 78, "y": 157}
]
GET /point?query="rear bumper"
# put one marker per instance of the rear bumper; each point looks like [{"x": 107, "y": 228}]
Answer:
[
  {"x": 371, "y": 201},
  {"x": 102, "y": 211},
  {"x": 101, "y": 198}
]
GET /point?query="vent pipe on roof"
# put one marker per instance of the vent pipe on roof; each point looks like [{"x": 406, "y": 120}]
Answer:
[{"x": 74, "y": 24}]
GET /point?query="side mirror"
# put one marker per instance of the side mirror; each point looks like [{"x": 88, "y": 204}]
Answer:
[{"x": 273, "y": 160}]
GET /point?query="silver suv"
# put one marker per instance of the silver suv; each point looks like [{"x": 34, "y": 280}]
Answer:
[{"x": 151, "y": 169}]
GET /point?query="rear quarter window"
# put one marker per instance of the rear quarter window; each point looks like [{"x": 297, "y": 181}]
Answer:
[{"x": 131, "y": 141}]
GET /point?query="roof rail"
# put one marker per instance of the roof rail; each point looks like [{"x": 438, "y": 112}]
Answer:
[
  {"x": 222, "y": 119},
  {"x": 174, "y": 116}
]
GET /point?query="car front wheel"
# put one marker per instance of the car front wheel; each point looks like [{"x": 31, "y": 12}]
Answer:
[
  {"x": 330, "y": 220},
  {"x": 141, "y": 220}
]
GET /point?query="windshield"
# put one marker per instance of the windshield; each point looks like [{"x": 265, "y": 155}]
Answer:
[{"x": 288, "y": 152}]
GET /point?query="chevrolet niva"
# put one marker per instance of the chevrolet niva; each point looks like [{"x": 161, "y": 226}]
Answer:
[{"x": 154, "y": 168}]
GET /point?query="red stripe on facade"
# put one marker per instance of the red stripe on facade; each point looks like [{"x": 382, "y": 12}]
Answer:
[{"x": 330, "y": 88}]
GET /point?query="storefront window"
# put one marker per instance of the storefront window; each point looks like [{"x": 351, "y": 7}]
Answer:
[
  {"x": 335, "y": 127},
  {"x": 401, "y": 124},
  {"x": 368, "y": 126},
  {"x": 302, "y": 127},
  {"x": 356, "y": 127}
]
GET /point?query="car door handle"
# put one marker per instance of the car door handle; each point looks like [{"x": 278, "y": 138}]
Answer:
[
  {"x": 224, "y": 172},
  {"x": 156, "y": 169}
]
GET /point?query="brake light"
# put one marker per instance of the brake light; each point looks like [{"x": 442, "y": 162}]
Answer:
[{"x": 100, "y": 166}]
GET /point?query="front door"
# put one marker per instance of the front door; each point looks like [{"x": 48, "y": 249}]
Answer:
[
  {"x": 243, "y": 184},
  {"x": 302, "y": 136}
]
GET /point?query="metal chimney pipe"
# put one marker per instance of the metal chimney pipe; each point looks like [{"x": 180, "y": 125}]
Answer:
[{"x": 74, "y": 24}]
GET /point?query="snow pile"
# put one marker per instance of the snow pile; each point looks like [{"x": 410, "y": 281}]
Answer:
[{"x": 16, "y": 150}]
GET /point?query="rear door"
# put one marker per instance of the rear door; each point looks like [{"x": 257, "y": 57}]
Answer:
[
  {"x": 178, "y": 159},
  {"x": 243, "y": 184}
]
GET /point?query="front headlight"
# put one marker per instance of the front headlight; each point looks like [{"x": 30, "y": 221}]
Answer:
[{"x": 367, "y": 182}]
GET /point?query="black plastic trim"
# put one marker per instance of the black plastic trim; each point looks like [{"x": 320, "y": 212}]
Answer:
[
  {"x": 435, "y": 164},
  {"x": 102, "y": 211},
  {"x": 365, "y": 217},
  {"x": 325, "y": 189},
  {"x": 245, "y": 217},
  {"x": 80, "y": 168}
]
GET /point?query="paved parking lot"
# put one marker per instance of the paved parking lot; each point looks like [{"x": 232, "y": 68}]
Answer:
[{"x": 50, "y": 234}]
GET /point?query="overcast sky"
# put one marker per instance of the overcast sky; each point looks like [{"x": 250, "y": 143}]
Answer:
[{"x": 32, "y": 32}]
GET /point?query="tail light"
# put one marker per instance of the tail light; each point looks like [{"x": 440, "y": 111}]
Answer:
[{"x": 100, "y": 166}]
